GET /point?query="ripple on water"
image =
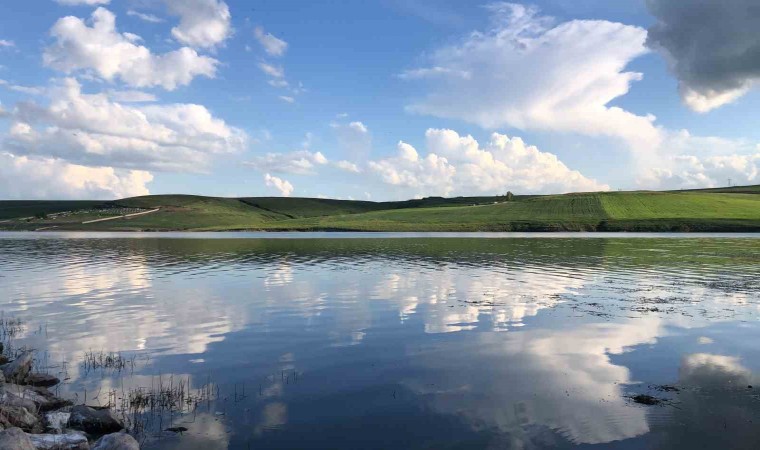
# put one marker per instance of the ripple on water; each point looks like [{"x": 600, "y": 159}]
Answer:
[{"x": 478, "y": 340}]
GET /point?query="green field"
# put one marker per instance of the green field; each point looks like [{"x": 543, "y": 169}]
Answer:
[{"x": 727, "y": 209}]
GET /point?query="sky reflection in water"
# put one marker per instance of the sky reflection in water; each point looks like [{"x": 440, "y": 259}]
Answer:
[{"x": 410, "y": 343}]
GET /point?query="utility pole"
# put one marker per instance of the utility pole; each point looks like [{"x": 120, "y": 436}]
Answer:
[{"x": 729, "y": 182}]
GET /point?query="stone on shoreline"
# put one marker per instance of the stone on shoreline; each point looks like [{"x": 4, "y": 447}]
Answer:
[
  {"x": 94, "y": 421},
  {"x": 41, "y": 398},
  {"x": 19, "y": 417},
  {"x": 40, "y": 380},
  {"x": 56, "y": 421},
  {"x": 19, "y": 368},
  {"x": 15, "y": 439},
  {"x": 116, "y": 441},
  {"x": 71, "y": 440}
]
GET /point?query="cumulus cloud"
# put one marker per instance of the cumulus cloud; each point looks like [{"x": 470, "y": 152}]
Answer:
[
  {"x": 712, "y": 47},
  {"x": 526, "y": 72},
  {"x": 24, "y": 177},
  {"x": 91, "y": 129},
  {"x": 458, "y": 165},
  {"x": 273, "y": 71},
  {"x": 203, "y": 23},
  {"x": 30, "y": 90},
  {"x": 101, "y": 50},
  {"x": 429, "y": 72},
  {"x": 83, "y": 2},
  {"x": 4, "y": 43},
  {"x": 347, "y": 166},
  {"x": 271, "y": 44},
  {"x": 131, "y": 96},
  {"x": 354, "y": 139},
  {"x": 689, "y": 171},
  {"x": 432, "y": 174},
  {"x": 301, "y": 162},
  {"x": 283, "y": 186},
  {"x": 689, "y": 161},
  {"x": 287, "y": 99},
  {"x": 144, "y": 16}
]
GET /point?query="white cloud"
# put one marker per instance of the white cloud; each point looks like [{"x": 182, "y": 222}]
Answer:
[
  {"x": 347, "y": 166},
  {"x": 688, "y": 171},
  {"x": 83, "y": 2},
  {"x": 276, "y": 83},
  {"x": 354, "y": 140},
  {"x": 302, "y": 162},
  {"x": 130, "y": 96},
  {"x": 457, "y": 165},
  {"x": 203, "y": 23},
  {"x": 101, "y": 50},
  {"x": 273, "y": 45},
  {"x": 712, "y": 47},
  {"x": 281, "y": 185},
  {"x": 272, "y": 70},
  {"x": 287, "y": 99},
  {"x": 144, "y": 16},
  {"x": 90, "y": 129},
  {"x": 688, "y": 161},
  {"x": 30, "y": 90},
  {"x": 358, "y": 127},
  {"x": 429, "y": 72},
  {"x": 6, "y": 43},
  {"x": 431, "y": 174},
  {"x": 25, "y": 177},
  {"x": 528, "y": 73},
  {"x": 706, "y": 99}
]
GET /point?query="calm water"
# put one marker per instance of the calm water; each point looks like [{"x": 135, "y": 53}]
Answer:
[{"x": 423, "y": 342}]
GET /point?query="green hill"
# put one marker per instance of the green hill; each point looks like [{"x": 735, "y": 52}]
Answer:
[
  {"x": 10, "y": 209},
  {"x": 730, "y": 209}
]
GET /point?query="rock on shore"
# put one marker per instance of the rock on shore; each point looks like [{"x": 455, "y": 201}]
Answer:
[
  {"x": 15, "y": 439},
  {"x": 25, "y": 397},
  {"x": 116, "y": 441}
]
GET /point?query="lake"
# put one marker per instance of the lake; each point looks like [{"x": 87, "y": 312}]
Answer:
[{"x": 413, "y": 341}]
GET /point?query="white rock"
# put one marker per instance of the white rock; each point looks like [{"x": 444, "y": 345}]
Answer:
[
  {"x": 15, "y": 439},
  {"x": 72, "y": 440},
  {"x": 116, "y": 441},
  {"x": 57, "y": 421}
]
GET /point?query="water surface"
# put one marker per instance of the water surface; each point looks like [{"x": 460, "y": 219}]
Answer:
[{"x": 432, "y": 341}]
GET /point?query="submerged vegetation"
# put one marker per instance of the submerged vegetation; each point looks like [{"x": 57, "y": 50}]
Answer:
[{"x": 725, "y": 209}]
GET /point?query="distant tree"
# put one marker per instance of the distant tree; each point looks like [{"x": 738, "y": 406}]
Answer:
[
  {"x": 40, "y": 215},
  {"x": 510, "y": 196}
]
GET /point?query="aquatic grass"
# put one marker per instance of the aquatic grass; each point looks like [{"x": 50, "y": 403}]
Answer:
[
  {"x": 145, "y": 409},
  {"x": 113, "y": 361}
]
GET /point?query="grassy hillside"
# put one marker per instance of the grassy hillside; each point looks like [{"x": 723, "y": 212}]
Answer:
[
  {"x": 27, "y": 208},
  {"x": 572, "y": 212},
  {"x": 706, "y": 210},
  {"x": 755, "y": 189},
  {"x": 310, "y": 207},
  {"x": 186, "y": 212}
]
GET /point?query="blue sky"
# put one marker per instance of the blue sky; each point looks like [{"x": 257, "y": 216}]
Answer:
[{"x": 376, "y": 100}]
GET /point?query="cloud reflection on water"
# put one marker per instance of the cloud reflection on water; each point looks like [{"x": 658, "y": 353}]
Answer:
[{"x": 427, "y": 321}]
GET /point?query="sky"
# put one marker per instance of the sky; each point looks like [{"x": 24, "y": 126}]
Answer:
[{"x": 375, "y": 100}]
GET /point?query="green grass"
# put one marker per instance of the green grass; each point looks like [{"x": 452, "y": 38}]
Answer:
[
  {"x": 310, "y": 207},
  {"x": 185, "y": 212},
  {"x": 705, "y": 210},
  {"x": 27, "y": 208},
  {"x": 572, "y": 212},
  {"x": 635, "y": 211},
  {"x": 685, "y": 205}
]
